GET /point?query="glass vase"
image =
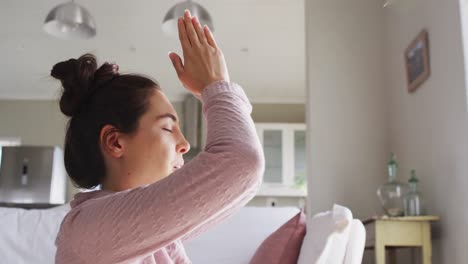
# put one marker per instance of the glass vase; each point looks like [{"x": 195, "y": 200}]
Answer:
[
  {"x": 392, "y": 193},
  {"x": 391, "y": 196}
]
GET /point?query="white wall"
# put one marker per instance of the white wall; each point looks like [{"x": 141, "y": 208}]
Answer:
[
  {"x": 429, "y": 129},
  {"x": 347, "y": 121},
  {"x": 35, "y": 122}
]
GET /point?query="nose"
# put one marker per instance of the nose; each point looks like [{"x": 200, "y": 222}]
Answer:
[{"x": 183, "y": 146}]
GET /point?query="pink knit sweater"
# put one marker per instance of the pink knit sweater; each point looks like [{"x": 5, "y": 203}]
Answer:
[{"x": 148, "y": 224}]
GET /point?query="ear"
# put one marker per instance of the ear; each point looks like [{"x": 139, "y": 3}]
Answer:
[{"x": 111, "y": 141}]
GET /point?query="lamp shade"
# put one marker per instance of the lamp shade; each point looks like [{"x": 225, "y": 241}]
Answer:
[
  {"x": 169, "y": 25},
  {"x": 70, "y": 21}
]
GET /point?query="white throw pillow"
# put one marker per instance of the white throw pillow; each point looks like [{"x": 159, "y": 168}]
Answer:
[{"x": 326, "y": 237}]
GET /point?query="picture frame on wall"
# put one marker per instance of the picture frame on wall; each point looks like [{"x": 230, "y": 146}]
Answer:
[{"x": 417, "y": 61}]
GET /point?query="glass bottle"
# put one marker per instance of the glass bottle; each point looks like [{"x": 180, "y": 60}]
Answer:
[
  {"x": 392, "y": 193},
  {"x": 414, "y": 205}
]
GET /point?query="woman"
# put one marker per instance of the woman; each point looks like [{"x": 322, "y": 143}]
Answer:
[{"x": 124, "y": 135}]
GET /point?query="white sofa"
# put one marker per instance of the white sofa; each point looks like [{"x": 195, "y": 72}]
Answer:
[{"x": 27, "y": 236}]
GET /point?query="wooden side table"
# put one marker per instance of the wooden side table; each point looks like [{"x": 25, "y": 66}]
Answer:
[{"x": 409, "y": 231}]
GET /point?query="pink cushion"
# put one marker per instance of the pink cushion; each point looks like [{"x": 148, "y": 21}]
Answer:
[{"x": 283, "y": 245}]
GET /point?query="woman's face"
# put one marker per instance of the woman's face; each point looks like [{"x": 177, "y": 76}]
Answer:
[{"x": 155, "y": 150}]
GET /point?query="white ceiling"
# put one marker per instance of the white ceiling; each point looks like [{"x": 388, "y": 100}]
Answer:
[{"x": 263, "y": 42}]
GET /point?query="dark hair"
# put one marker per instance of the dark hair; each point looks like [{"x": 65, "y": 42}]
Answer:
[{"x": 94, "y": 97}]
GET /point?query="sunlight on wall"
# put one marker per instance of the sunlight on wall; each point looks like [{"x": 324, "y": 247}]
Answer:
[{"x": 464, "y": 21}]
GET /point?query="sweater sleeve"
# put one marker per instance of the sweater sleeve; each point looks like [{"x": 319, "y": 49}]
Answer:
[{"x": 208, "y": 189}]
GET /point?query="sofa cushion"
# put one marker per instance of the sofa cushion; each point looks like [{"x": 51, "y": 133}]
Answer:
[
  {"x": 235, "y": 240},
  {"x": 283, "y": 245},
  {"x": 28, "y": 236}
]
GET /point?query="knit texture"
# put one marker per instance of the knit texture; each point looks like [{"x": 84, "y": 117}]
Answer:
[{"x": 148, "y": 224}]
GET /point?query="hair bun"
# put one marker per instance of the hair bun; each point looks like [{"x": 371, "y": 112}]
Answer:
[
  {"x": 76, "y": 76},
  {"x": 105, "y": 74}
]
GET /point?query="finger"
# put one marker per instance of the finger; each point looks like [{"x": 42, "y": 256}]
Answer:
[
  {"x": 177, "y": 63},
  {"x": 199, "y": 30},
  {"x": 209, "y": 37},
  {"x": 184, "y": 41},
  {"x": 192, "y": 35}
]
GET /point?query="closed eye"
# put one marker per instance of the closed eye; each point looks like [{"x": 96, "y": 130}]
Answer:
[{"x": 168, "y": 130}]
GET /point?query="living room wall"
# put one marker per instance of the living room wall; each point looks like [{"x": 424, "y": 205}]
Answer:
[
  {"x": 429, "y": 128},
  {"x": 346, "y": 108},
  {"x": 359, "y": 110}
]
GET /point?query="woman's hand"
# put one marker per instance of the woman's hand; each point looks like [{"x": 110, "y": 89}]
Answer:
[{"x": 204, "y": 62}]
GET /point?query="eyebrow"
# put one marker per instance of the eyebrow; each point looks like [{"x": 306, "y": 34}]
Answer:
[{"x": 168, "y": 115}]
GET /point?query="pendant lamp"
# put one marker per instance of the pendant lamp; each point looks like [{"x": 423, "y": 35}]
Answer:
[
  {"x": 70, "y": 21},
  {"x": 169, "y": 25}
]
